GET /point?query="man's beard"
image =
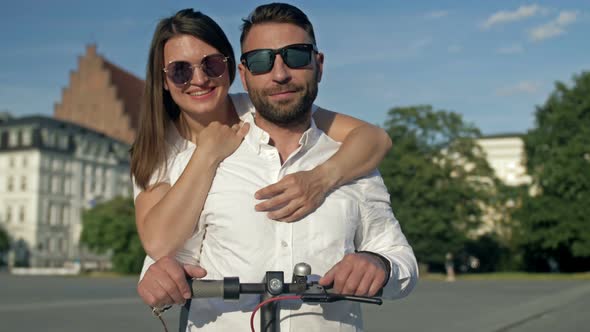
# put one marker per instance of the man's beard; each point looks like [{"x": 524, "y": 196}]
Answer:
[{"x": 285, "y": 113}]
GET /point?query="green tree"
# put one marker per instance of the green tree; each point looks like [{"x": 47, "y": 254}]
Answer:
[
  {"x": 438, "y": 179},
  {"x": 111, "y": 226},
  {"x": 554, "y": 221}
]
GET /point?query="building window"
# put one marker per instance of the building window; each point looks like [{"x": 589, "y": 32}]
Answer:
[
  {"x": 21, "y": 215},
  {"x": 11, "y": 162},
  {"x": 57, "y": 165},
  {"x": 13, "y": 137},
  {"x": 10, "y": 184},
  {"x": 51, "y": 139},
  {"x": 67, "y": 186},
  {"x": 42, "y": 213},
  {"x": 64, "y": 215},
  {"x": 63, "y": 142},
  {"x": 51, "y": 246},
  {"x": 8, "y": 214},
  {"x": 59, "y": 216},
  {"x": 23, "y": 183},
  {"x": 47, "y": 184},
  {"x": 25, "y": 162},
  {"x": 26, "y": 138},
  {"x": 48, "y": 214},
  {"x": 57, "y": 185},
  {"x": 52, "y": 215},
  {"x": 61, "y": 245}
]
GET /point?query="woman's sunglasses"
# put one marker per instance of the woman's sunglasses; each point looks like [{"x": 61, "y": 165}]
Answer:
[
  {"x": 181, "y": 72},
  {"x": 261, "y": 61}
]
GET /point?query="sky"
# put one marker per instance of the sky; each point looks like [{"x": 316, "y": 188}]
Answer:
[{"x": 493, "y": 62}]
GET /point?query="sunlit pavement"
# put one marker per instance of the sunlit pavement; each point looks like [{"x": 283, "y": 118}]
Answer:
[{"x": 68, "y": 304}]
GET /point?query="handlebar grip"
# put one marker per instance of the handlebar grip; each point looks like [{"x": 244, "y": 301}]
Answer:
[
  {"x": 228, "y": 288},
  {"x": 206, "y": 288}
]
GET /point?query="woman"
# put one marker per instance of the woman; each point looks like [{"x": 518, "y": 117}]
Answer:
[{"x": 187, "y": 105}]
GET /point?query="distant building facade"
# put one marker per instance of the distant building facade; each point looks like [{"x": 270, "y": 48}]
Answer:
[
  {"x": 505, "y": 154},
  {"x": 50, "y": 171},
  {"x": 103, "y": 97}
]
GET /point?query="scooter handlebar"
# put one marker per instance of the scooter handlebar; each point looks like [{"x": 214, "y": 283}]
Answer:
[{"x": 228, "y": 288}]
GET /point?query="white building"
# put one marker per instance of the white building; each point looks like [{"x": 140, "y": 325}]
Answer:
[
  {"x": 506, "y": 155},
  {"x": 50, "y": 171}
]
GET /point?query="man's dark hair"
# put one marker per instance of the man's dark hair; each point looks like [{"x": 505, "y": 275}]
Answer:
[{"x": 277, "y": 12}]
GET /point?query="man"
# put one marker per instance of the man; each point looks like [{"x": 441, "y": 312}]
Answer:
[{"x": 352, "y": 240}]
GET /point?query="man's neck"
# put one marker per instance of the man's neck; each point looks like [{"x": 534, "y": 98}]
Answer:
[{"x": 284, "y": 139}]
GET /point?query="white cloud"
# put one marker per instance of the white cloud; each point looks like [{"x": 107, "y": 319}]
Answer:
[
  {"x": 437, "y": 14},
  {"x": 511, "y": 49},
  {"x": 519, "y": 14},
  {"x": 567, "y": 17},
  {"x": 523, "y": 87},
  {"x": 553, "y": 28}
]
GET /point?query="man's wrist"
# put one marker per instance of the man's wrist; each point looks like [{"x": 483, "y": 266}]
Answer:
[
  {"x": 384, "y": 261},
  {"x": 330, "y": 174}
]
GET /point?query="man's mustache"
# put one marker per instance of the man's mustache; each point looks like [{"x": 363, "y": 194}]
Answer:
[{"x": 282, "y": 88}]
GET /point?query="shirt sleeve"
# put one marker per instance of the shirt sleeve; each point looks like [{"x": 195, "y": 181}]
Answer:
[
  {"x": 380, "y": 232},
  {"x": 147, "y": 262},
  {"x": 160, "y": 175}
]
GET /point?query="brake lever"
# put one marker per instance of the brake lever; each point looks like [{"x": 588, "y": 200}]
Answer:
[{"x": 318, "y": 294}]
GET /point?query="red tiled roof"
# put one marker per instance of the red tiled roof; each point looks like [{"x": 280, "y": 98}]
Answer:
[{"x": 129, "y": 90}]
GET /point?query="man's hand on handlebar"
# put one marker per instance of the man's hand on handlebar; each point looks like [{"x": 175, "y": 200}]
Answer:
[
  {"x": 357, "y": 274},
  {"x": 165, "y": 282}
]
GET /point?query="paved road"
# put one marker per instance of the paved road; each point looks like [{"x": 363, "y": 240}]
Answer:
[{"x": 68, "y": 304}]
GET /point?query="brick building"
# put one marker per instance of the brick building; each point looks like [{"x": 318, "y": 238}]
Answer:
[{"x": 103, "y": 97}]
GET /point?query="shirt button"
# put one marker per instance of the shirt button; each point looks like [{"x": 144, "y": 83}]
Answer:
[{"x": 284, "y": 244}]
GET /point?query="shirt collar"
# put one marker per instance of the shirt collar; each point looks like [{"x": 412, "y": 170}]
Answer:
[{"x": 257, "y": 137}]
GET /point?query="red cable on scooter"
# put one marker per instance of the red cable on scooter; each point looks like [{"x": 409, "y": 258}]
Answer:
[{"x": 272, "y": 299}]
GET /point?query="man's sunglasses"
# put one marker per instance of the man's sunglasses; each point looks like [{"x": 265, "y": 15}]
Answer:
[
  {"x": 181, "y": 72},
  {"x": 261, "y": 61}
]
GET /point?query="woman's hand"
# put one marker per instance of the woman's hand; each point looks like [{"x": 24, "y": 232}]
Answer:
[
  {"x": 296, "y": 195},
  {"x": 219, "y": 140}
]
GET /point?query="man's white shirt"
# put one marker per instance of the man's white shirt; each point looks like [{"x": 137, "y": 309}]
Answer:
[{"x": 232, "y": 239}]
